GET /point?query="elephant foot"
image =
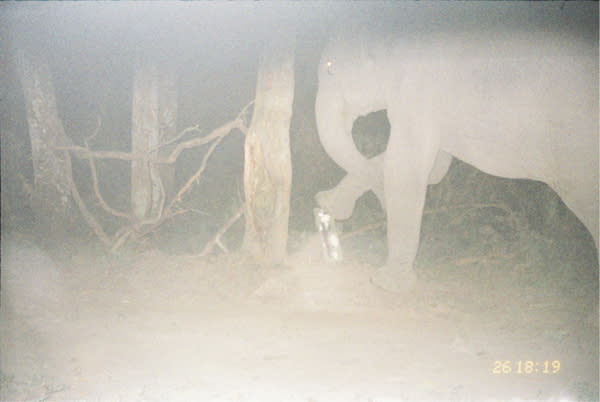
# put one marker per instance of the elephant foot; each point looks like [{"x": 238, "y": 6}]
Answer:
[
  {"x": 336, "y": 203},
  {"x": 394, "y": 280}
]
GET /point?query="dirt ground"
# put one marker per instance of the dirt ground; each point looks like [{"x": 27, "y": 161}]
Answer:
[{"x": 501, "y": 325}]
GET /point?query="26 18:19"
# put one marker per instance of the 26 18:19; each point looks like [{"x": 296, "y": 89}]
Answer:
[{"x": 526, "y": 367}]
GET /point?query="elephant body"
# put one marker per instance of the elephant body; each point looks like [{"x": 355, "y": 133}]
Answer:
[{"x": 515, "y": 101}]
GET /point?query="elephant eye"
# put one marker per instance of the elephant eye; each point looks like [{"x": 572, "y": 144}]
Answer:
[{"x": 329, "y": 65}]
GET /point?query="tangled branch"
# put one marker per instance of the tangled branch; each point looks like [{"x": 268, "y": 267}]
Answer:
[{"x": 135, "y": 228}]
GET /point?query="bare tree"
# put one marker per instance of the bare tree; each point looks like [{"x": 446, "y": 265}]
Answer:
[
  {"x": 133, "y": 227},
  {"x": 51, "y": 199},
  {"x": 154, "y": 115},
  {"x": 268, "y": 169}
]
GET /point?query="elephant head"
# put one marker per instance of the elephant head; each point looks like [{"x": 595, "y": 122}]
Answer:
[{"x": 353, "y": 82}]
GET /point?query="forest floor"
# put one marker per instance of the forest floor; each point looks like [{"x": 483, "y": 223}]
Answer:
[{"x": 517, "y": 321}]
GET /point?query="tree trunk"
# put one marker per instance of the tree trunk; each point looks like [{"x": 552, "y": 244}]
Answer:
[
  {"x": 51, "y": 200},
  {"x": 167, "y": 102},
  {"x": 154, "y": 116},
  {"x": 268, "y": 168}
]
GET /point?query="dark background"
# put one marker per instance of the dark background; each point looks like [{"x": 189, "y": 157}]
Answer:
[{"x": 215, "y": 47}]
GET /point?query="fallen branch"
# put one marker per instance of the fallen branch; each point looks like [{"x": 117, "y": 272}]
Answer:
[
  {"x": 468, "y": 206},
  {"x": 217, "y": 134},
  {"x": 87, "y": 215},
  {"x": 84, "y": 153},
  {"x": 185, "y": 131},
  {"x": 121, "y": 237},
  {"x": 101, "y": 200},
  {"x": 363, "y": 229},
  {"x": 443, "y": 209},
  {"x": 492, "y": 257},
  {"x": 217, "y": 239},
  {"x": 195, "y": 177},
  {"x": 94, "y": 173},
  {"x": 139, "y": 228},
  {"x": 150, "y": 224}
]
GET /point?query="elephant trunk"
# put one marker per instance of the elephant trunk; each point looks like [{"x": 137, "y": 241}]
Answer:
[{"x": 334, "y": 125}]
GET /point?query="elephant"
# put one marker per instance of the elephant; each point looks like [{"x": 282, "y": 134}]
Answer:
[{"x": 515, "y": 102}]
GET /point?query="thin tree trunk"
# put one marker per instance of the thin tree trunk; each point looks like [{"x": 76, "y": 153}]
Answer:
[
  {"x": 144, "y": 136},
  {"x": 154, "y": 116},
  {"x": 167, "y": 99},
  {"x": 268, "y": 169},
  {"x": 51, "y": 201}
]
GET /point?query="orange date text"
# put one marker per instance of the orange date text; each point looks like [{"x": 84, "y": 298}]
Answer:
[{"x": 525, "y": 367}]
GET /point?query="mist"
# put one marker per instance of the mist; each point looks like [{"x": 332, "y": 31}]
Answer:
[{"x": 503, "y": 303}]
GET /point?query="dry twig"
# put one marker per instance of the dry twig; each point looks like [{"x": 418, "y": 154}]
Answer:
[
  {"x": 443, "y": 209},
  {"x": 136, "y": 228},
  {"x": 217, "y": 239},
  {"x": 94, "y": 173},
  {"x": 366, "y": 228},
  {"x": 87, "y": 215}
]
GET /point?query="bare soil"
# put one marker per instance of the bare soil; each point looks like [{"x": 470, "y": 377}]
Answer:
[{"x": 153, "y": 326}]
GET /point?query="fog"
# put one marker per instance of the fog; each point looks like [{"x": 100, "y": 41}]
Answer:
[
  {"x": 214, "y": 49},
  {"x": 91, "y": 48},
  {"x": 506, "y": 302}
]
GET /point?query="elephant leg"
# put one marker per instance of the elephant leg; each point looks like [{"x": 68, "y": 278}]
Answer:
[
  {"x": 440, "y": 167},
  {"x": 409, "y": 161},
  {"x": 340, "y": 200},
  {"x": 376, "y": 179}
]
